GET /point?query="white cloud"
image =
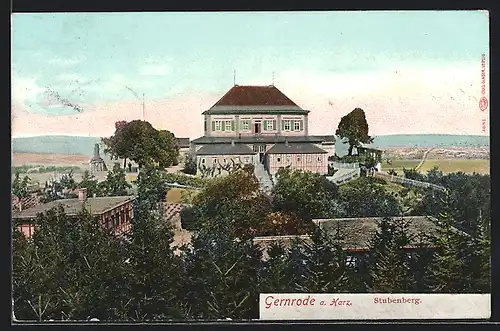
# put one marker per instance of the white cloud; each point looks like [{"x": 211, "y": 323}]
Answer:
[
  {"x": 64, "y": 61},
  {"x": 72, "y": 77},
  {"x": 25, "y": 90},
  {"x": 156, "y": 67}
]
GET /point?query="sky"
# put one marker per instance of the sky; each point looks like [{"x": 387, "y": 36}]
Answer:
[{"x": 411, "y": 72}]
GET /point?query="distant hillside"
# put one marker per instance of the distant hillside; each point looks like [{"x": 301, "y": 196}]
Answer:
[
  {"x": 430, "y": 140},
  {"x": 72, "y": 145},
  {"x": 69, "y": 145}
]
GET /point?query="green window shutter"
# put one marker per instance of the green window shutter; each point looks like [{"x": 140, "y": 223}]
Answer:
[
  {"x": 274, "y": 125},
  {"x": 292, "y": 125},
  {"x": 223, "y": 125},
  {"x": 265, "y": 125},
  {"x": 282, "y": 125},
  {"x": 232, "y": 125},
  {"x": 213, "y": 125},
  {"x": 301, "y": 125},
  {"x": 237, "y": 125}
]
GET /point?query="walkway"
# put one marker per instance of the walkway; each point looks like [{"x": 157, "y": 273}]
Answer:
[{"x": 266, "y": 183}]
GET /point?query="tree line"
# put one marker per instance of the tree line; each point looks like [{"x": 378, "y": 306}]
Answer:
[{"x": 80, "y": 270}]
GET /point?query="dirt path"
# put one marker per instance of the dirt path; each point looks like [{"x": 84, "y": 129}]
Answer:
[{"x": 424, "y": 157}]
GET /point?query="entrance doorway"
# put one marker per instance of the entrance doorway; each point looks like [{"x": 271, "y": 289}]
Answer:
[{"x": 256, "y": 127}]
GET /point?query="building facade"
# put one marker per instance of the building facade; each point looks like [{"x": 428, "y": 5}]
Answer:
[
  {"x": 259, "y": 125},
  {"x": 115, "y": 213}
]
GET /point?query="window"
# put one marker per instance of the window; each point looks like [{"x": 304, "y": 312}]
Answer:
[
  {"x": 351, "y": 261},
  {"x": 228, "y": 126},
  {"x": 288, "y": 158},
  {"x": 269, "y": 125},
  {"x": 298, "y": 158},
  {"x": 278, "y": 159},
  {"x": 206, "y": 124},
  {"x": 224, "y": 161},
  {"x": 286, "y": 125},
  {"x": 245, "y": 125},
  {"x": 247, "y": 159},
  {"x": 309, "y": 158},
  {"x": 320, "y": 159},
  {"x": 296, "y": 126},
  {"x": 202, "y": 161},
  {"x": 218, "y": 125}
]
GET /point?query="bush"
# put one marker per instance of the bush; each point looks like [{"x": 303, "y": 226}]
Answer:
[{"x": 189, "y": 165}]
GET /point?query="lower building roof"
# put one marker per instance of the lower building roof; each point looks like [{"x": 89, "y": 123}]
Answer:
[
  {"x": 96, "y": 206},
  {"x": 265, "y": 139},
  {"x": 358, "y": 232},
  {"x": 225, "y": 149},
  {"x": 296, "y": 148}
]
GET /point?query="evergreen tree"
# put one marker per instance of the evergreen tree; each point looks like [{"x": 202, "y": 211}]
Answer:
[
  {"x": 221, "y": 276},
  {"x": 450, "y": 271},
  {"x": 116, "y": 183},
  {"x": 20, "y": 186},
  {"x": 326, "y": 264},
  {"x": 390, "y": 270},
  {"x": 71, "y": 270},
  {"x": 283, "y": 269},
  {"x": 91, "y": 184},
  {"x": 155, "y": 271}
]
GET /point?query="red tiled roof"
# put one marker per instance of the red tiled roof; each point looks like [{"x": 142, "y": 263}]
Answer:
[{"x": 255, "y": 96}]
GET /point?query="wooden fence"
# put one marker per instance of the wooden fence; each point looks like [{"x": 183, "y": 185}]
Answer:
[{"x": 406, "y": 181}]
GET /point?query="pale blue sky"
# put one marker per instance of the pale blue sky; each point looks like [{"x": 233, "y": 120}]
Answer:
[{"x": 161, "y": 54}]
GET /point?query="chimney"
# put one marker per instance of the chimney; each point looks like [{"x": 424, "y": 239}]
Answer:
[
  {"x": 82, "y": 194},
  {"x": 286, "y": 142},
  {"x": 232, "y": 142}
]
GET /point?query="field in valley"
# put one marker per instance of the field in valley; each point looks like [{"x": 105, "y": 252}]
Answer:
[{"x": 481, "y": 166}]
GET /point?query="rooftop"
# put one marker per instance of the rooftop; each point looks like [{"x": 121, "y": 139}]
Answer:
[
  {"x": 296, "y": 148},
  {"x": 183, "y": 142},
  {"x": 359, "y": 231},
  {"x": 72, "y": 207},
  {"x": 225, "y": 149},
  {"x": 256, "y": 99}
]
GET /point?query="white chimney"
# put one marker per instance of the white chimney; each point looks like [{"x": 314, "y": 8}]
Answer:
[
  {"x": 232, "y": 142},
  {"x": 82, "y": 194},
  {"x": 286, "y": 142}
]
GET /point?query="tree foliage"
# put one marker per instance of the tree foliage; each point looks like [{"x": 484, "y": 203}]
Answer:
[
  {"x": 20, "y": 186},
  {"x": 115, "y": 183},
  {"x": 140, "y": 142},
  {"x": 353, "y": 128},
  {"x": 367, "y": 197},
  {"x": 306, "y": 194}
]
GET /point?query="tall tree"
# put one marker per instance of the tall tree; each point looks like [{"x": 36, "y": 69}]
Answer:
[
  {"x": 91, "y": 184},
  {"x": 451, "y": 272},
  {"x": 140, "y": 142},
  {"x": 390, "y": 269},
  {"x": 116, "y": 183},
  {"x": 221, "y": 276},
  {"x": 353, "y": 128},
  {"x": 72, "y": 269},
  {"x": 20, "y": 186},
  {"x": 306, "y": 194},
  {"x": 366, "y": 197},
  {"x": 156, "y": 272},
  {"x": 234, "y": 202},
  {"x": 325, "y": 264}
]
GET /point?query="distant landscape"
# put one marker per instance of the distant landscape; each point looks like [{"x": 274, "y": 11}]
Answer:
[{"x": 75, "y": 145}]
